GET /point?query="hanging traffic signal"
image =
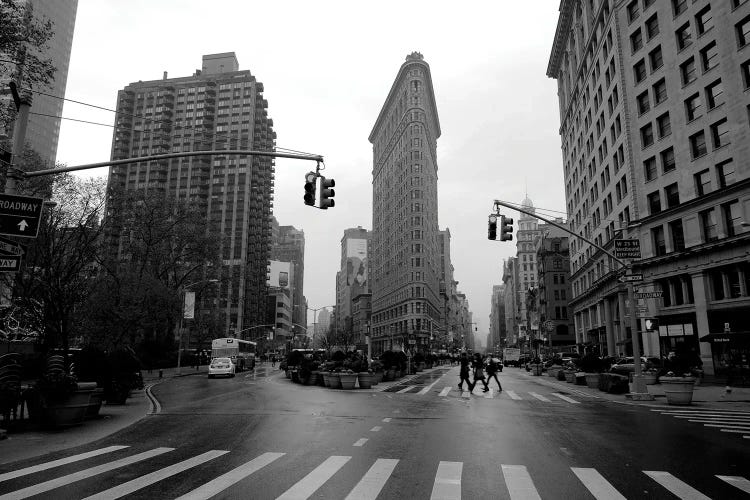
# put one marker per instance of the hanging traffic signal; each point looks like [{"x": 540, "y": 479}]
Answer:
[
  {"x": 652, "y": 324},
  {"x": 506, "y": 228},
  {"x": 310, "y": 178},
  {"x": 492, "y": 228},
  {"x": 326, "y": 193}
]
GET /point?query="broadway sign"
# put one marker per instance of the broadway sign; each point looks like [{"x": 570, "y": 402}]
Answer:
[{"x": 19, "y": 215}]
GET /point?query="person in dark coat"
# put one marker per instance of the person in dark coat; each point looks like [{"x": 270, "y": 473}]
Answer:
[
  {"x": 463, "y": 373},
  {"x": 478, "y": 366},
  {"x": 492, "y": 369}
]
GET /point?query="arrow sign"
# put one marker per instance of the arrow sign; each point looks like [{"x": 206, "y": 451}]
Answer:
[
  {"x": 22, "y": 225},
  {"x": 10, "y": 263},
  {"x": 630, "y": 278},
  {"x": 19, "y": 215},
  {"x": 648, "y": 295}
]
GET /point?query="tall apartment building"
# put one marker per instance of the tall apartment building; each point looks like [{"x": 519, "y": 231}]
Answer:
[
  {"x": 447, "y": 288},
  {"x": 352, "y": 284},
  {"x": 218, "y": 107},
  {"x": 497, "y": 333},
  {"x": 512, "y": 312},
  {"x": 655, "y": 113},
  {"x": 406, "y": 301},
  {"x": 288, "y": 245},
  {"x": 553, "y": 278},
  {"x": 43, "y": 129}
]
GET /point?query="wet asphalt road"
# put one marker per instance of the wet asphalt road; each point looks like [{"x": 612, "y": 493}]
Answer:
[{"x": 533, "y": 440}]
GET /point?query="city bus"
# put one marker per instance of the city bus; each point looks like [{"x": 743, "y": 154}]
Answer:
[{"x": 242, "y": 352}]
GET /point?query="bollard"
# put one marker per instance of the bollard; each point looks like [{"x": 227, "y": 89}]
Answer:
[{"x": 161, "y": 373}]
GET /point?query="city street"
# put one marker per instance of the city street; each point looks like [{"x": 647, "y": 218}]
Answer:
[{"x": 258, "y": 435}]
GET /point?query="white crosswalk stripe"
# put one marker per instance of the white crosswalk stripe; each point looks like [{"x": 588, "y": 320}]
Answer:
[
  {"x": 159, "y": 475},
  {"x": 539, "y": 397},
  {"x": 738, "y": 482},
  {"x": 519, "y": 483},
  {"x": 513, "y": 395},
  {"x": 675, "y": 486},
  {"x": 315, "y": 479},
  {"x": 565, "y": 398},
  {"x": 84, "y": 474},
  {"x": 596, "y": 484},
  {"x": 447, "y": 485},
  {"x": 489, "y": 394},
  {"x": 445, "y": 392},
  {"x": 57, "y": 463},
  {"x": 406, "y": 389},
  {"x": 725, "y": 420},
  {"x": 373, "y": 481}
]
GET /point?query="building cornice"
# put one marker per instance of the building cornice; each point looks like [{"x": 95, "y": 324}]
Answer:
[{"x": 561, "y": 37}]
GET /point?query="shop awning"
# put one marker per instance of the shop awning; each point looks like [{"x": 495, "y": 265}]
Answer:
[{"x": 727, "y": 337}]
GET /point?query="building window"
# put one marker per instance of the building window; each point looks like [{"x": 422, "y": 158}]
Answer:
[
  {"x": 652, "y": 26},
  {"x": 743, "y": 31},
  {"x": 647, "y": 135},
  {"x": 643, "y": 102},
  {"x": 654, "y": 202},
  {"x": 633, "y": 11},
  {"x": 687, "y": 71},
  {"x": 720, "y": 133},
  {"x": 649, "y": 169},
  {"x": 708, "y": 225},
  {"x": 732, "y": 217},
  {"x": 693, "y": 107},
  {"x": 663, "y": 125},
  {"x": 677, "y": 234},
  {"x": 667, "y": 160},
  {"x": 684, "y": 36},
  {"x": 672, "y": 194},
  {"x": 737, "y": 3},
  {"x": 698, "y": 144},
  {"x": 679, "y": 6},
  {"x": 704, "y": 20},
  {"x": 639, "y": 71},
  {"x": 726, "y": 173},
  {"x": 715, "y": 94},
  {"x": 657, "y": 237},
  {"x": 636, "y": 40},
  {"x": 656, "y": 59},
  {"x": 709, "y": 56},
  {"x": 660, "y": 92},
  {"x": 703, "y": 182},
  {"x": 745, "y": 68}
]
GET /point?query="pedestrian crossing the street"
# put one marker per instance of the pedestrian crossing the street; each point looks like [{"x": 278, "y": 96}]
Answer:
[
  {"x": 723, "y": 420},
  {"x": 372, "y": 476}
]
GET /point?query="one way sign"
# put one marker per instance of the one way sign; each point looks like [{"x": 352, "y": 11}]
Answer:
[
  {"x": 19, "y": 215},
  {"x": 10, "y": 263}
]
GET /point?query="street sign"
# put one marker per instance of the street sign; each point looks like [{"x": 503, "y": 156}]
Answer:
[
  {"x": 549, "y": 325},
  {"x": 648, "y": 295},
  {"x": 628, "y": 249},
  {"x": 19, "y": 215},
  {"x": 412, "y": 341},
  {"x": 10, "y": 263},
  {"x": 630, "y": 278},
  {"x": 11, "y": 247}
]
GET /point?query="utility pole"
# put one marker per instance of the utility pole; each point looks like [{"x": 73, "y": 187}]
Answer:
[
  {"x": 23, "y": 105},
  {"x": 640, "y": 392}
]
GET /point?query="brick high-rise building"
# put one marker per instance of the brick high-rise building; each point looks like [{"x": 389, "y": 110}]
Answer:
[
  {"x": 655, "y": 127},
  {"x": 406, "y": 301},
  {"x": 218, "y": 107},
  {"x": 289, "y": 246}
]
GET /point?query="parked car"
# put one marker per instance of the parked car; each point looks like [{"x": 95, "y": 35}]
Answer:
[
  {"x": 221, "y": 366},
  {"x": 625, "y": 366}
]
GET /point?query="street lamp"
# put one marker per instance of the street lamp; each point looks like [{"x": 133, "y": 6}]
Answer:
[{"x": 184, "y": 289}]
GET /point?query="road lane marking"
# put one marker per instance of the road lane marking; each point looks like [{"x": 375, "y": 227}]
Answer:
[
  {"x": 155, "y": 406},
  {"x": 675, "y": 486},
  {"x": 539, "y": 397},
  {"x": 57, "y": 463},
  {"x": 729, "y": 426},
  {"x": 565, "y": 398},
  {"x": 84, "y": 474},
  {"x": 360, "y": 442},
  {"x": 376, "y": 429},
  {"x": 738, "y": 482},
  {"x": 513, "y": 395},
  {"x": 711, "y": 417},
  {"x": 396, "y": 411},
  {"x": 519, "y": 483},
  {"x": 387, "y": 419},
  {"x": 447, "y": 485},
  {"x": 708, "y": 415},
  {"x": 735, "y": 431},
  {"x": 309, "y": 484},
  {"x": 156, "y": 476},
  {"x": 368, "y": 488},
  {"x": 599, "y": 487},
  {"x": 406, "y": 389},
  {"x": 427, "y": 389},
  {"x": 215, "y": 486},
  {"x": 445, "y": 392}
]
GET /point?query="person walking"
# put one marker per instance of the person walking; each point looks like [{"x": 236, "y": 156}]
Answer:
[
  {"x": 463, "y": 373},
  {"x": 492, "y": 369},
  {"x": 479, "y": 372}
]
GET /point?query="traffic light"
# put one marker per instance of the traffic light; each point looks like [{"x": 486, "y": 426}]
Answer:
[
  {"x": 652, "y": 325},
  {"x": 492, "y": 228},
  {"x": 326, "y": 193},
  {"x": 5, "y": 157},
  {"x": 506, "y": 228},
  {"x": 310, "y": 178}
]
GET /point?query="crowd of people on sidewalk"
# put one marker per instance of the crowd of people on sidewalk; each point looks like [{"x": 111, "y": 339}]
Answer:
[{"x": 481, "y": 368}]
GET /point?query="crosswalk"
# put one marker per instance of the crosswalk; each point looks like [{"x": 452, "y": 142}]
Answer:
[
  {"x": 375, "y": 476},
  {"x": 724, "y": 420},
  {"x": 570, "y": 397}
]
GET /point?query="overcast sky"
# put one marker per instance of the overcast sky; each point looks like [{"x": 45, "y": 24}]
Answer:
[{"x": 327, "y": 67}]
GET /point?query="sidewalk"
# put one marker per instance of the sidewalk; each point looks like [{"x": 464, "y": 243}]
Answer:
[{"x": 112, "y": 418}]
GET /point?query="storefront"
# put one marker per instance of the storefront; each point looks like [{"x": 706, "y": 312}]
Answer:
[{"x": 731, "y": 355}]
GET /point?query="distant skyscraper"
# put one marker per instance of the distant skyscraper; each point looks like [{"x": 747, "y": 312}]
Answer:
[
  {"x": 43, "y": 126},
  {"x": 218, "y": 107},
  {"x": 352, "y": 280},
  {"x": 406, "y": 260},
  {"x": 528, "y": 230},
  {"x": 289, "y": 246}
]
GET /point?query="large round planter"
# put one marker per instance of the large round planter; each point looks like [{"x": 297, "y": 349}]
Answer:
[
  {"x": 95, "y": 403},
  {"x": 348, "y": 380},
  {"x": 365, "y": 380},
  {"x": 570, "y": 377},
  {"x": 679, "y": 390},
  {"x": 377, "y": 378},
  {"x": 71, "y": 411},
  {"x": 537, "y": 368},
  {"x": 649, "y": 378},
  {"x": 335, "y": 380},
  {"x": 295, "y": 376},
  {"x": 327, "y": 379},
  {"x": 592, "y": 380},
  {"x": 552, "y": 371}
]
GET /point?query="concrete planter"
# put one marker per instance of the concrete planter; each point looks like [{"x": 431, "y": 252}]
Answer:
[
  {"x": 552, "y": 371},
  {"x": 592, "y": 380},
  {"x": 679, "y": 390},
  {"x": 365, "y": 380},
  {"x": 327, "y": 379},
  {"x": 649, "y": 378},
  {"x": 570, "y": 377},
  {"x": 536, "y": 369},
  {"x": 335, "y": 380},
  {"x": 348, "y": 380},
  {"x": 71, "y": 411},
  {"x": 378, "y": 377}
]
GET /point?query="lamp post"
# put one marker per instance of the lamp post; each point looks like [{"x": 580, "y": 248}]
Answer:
[{"x": 184, "y": 289}]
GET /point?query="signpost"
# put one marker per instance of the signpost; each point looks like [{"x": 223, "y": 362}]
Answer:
[
  {"x": 648, "y": 295},
  {"x": 628, "y": 249},
  {"x": 20, "y": 215},
  {"x": 630, "y": 278},
  {"x": 10, "y": 263},
  {"x": 10, "y": 247}
]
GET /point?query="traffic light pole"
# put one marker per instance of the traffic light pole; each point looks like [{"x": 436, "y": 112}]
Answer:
[
  {"x": 640, "y": 391},
  {"x": 23, "y": 106}
]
